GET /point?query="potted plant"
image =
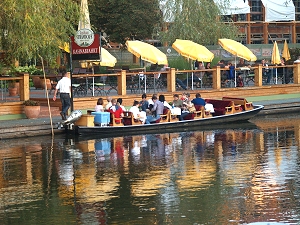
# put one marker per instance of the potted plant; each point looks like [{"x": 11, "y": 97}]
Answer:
[{"x": 32, "y": 109}]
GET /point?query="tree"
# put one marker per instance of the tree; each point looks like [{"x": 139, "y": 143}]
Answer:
[
  {"x": 29, "y": 28},
  {"x": 196, "y": 20},
  {"x": 125, "y": 19}
]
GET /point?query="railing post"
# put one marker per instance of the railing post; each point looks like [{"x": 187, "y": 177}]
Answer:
[
  {"x": 122, "y": 83},
  {"x": 171, "y": 80},
  {"x": 24, "y": 87},
  {"x": 258, "y": 76},
  {"x": 296, "y": 73},
  {"x": 216, "y": 78}
]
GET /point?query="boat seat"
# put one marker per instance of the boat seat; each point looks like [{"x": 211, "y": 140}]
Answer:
[
  {"x": 221, "y": 107},
  {"x": 115, "y": 121},
  {"x": 129, "y": 119},
  {"x": 240, "y": 101},
  {"x": 199, "y": 111},
  {"x": 165, "y": 117}
]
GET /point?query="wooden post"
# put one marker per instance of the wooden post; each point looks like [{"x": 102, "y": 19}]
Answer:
[
  {"x": 122, "y": 83},
  {"x": 171, "y": 80},
  {"x": 297, "y": 73},
  {"x": 216, "y": 81},
  {"x": 258, "y": 76},
  {"x": 24, "y": 87}
]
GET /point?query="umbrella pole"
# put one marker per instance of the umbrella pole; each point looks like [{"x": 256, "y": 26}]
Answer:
[
  {"x": 276, "y": 76},
  {"x": 234, "y": 71},
  {"x": 192, "y": 82}
]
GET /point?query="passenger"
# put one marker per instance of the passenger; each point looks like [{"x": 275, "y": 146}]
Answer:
[
  {"x": 198, "y": 100},
  {"x": 187, "y": 104},
  {"x": 163, "y": 100},
  {"x": 157, "y": 110},
  {"x": 144, "y": 104},
  {"x": 266, "y": 71},
  {"x": 136, "y": 112},
  {"x": 177, "y": 102},
  {"x": 208, "y": 73},
  {"x": 108, "y": 105},
  {"x": 99, "y": 106},
  {"x": 150, "y": 102},
  {"x": 116, "y": 109},
  {"x": 120, "y": 100}
]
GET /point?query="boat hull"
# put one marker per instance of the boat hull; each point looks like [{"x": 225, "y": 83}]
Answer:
[{"x": 186, "y": 125}]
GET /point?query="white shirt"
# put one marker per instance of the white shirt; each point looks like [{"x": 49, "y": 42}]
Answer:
[
  {"x": 209, "y": 107},
  {"x": 99, "y": 108},
  {"x": 135, "y": 111},
  {"x": 166, "y": 104},
  {"x": 64, "y": 85},
  {"x": 108, "y": 105}
]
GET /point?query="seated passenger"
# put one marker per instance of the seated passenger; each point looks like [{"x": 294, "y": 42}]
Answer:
[
  {"x": 108, "y": 105},
  {"x": 136, "y": 112},
  {"x": 177, "y": 102},
  {"x": 99, "y": 106},
  {"x": 144, "y": 104},
  {"x": 157, "y": 110},
  {"x": 187, "y": 105},
  {"x": 198, "y": 100},
  {"x": 116, "y": 109},
  {"x": 163, "y": 100},
  {"x": 120, "y": 100}
]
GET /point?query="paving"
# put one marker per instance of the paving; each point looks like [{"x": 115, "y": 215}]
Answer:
[{"x": 42, "y": 126}]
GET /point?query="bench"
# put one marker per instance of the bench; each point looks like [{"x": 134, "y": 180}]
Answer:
[
  {"x": 240, "y": 101},
  {"x": 222, "y": 107}
]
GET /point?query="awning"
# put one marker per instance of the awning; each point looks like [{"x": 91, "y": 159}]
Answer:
[
  {"x": 231, "y": 7},
  {"x": 279, "y": 10}
]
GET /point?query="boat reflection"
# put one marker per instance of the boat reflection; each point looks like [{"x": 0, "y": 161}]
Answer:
[{"x": 250, "y": 173}]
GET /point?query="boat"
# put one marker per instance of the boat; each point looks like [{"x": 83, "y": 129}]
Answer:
[{"x": 214, "y": 122}]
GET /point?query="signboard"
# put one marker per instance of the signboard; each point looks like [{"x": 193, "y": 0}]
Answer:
[{"x": 85, "y": 45}]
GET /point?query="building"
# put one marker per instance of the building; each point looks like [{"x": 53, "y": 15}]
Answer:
[{"x": 265, "y": 21}]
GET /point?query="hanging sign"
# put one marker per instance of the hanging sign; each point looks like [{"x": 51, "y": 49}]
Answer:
[{"x": 85, "y": 45}]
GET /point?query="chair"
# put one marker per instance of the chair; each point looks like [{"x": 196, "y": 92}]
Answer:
[
  {"x": 129, "y": 119},
  {"x": 199, "y": 111},
  {"x": 99, "y": 85},
  {"x": 115, "y": 122},
  {"x": 165, "y": 117}
]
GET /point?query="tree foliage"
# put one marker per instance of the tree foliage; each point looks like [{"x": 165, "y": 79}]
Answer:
[
  {"x": 196, "y": 20},
  {"x": 29, "y": 28},
  {"x": 125, "y": 19}
]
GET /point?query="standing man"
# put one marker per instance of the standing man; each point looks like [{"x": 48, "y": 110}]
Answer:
[{"x": 64, "y": 87}]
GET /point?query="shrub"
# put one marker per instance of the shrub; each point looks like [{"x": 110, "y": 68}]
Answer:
[{"x": 31, "y": 103}]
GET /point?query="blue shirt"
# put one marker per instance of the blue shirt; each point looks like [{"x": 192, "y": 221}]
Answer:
[{"x": 198, "y": 101}]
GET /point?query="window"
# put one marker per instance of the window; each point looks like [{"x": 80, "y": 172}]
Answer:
[{"x": 256, "y": 6}]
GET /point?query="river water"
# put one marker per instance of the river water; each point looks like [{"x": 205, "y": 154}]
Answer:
[{"x": 228, "y": 176}]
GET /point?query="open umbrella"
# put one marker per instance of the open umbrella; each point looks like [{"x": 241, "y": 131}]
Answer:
[
  {"x": 285, "y": 51},
  {"x": 192, "y": 50},
  {"x": 275, "y": 59},
  {"x": 238, "y": 50},
  {"x": 147, "y": 52}
]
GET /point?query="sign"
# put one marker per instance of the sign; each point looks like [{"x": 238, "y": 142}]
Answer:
[
  {"x": 84, "y": 37},
  {"x": 85, "y": 46}
]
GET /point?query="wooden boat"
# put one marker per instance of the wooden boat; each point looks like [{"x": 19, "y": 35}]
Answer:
[{"x": 168, "y": 127}]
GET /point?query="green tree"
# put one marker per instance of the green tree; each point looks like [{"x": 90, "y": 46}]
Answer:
[
  {"x": 125, "y": 19},
  {"x": 196, "y": 20},
  {"x": 29, "y": 28}
]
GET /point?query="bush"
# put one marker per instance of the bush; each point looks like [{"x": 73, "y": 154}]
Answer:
[{"x": 31, "y": 103}]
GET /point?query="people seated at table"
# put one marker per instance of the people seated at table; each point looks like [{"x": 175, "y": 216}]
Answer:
[
  {"x": 99, "y": 106},
  {"x": 198, "y": 100},
  {"x": 108, "y": 104},
  {"x": 116, "y": 109},
  {"x": 144, "y": 104},
  {"x": 157, "y": 110},
  {"x": 163, "y": 100},
  {"x": 120, "y": 101},
  {"x": 137, "y": 114}
]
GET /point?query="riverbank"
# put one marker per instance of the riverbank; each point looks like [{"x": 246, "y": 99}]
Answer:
[{"x": 283, "y": 103}]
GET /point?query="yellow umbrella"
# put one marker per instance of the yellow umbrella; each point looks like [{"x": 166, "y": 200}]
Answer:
[
  {"x": 192, "y": 50},
  {"x": 65, "y": 46},
  {"x": 275, "y": 54},
  {"x": 285, "y": 51},
  {"x": 237, "y": 49},
  {"x": 147, "y": 52},
  {"x": 107, "y": 59}
]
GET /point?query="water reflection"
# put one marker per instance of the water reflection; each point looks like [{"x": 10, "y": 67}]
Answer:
[{"x": 230, "y": 176}]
